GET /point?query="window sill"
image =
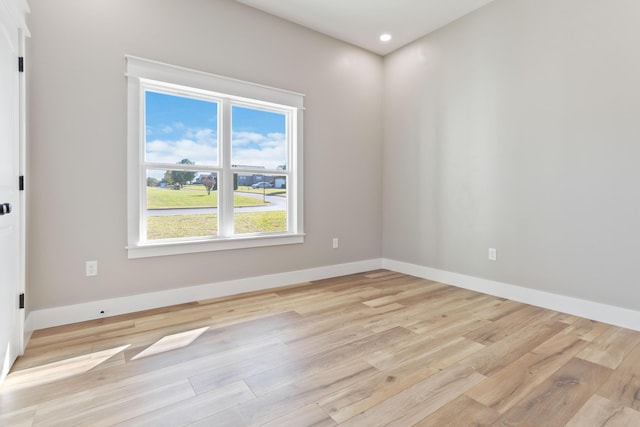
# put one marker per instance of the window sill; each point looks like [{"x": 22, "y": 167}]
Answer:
[{"x": 148, "y": 250}]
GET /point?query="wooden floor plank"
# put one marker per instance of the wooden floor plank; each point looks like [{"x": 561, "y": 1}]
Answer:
[
  {"x": 196, "y": 408},
  {"x": 155, "y": 371},
  {"x": 323, "y": 323},
  {"x": 449, "y": 313},
  {"x": 422, "y": 345},
  {"x": 52, "y": 354},
  {"x": 371, "y": 391},
  {"x": 306, "y": 366},
  {"x": 284, "y": 400},
  {"x": 461, "y": 412},
  {"x": 100, "y": 411},
  {"x": 499, "y": 355},
  {"x": 420, "y": 400},
  {"x": 586, "y": 329},
  {"x": 559, "y": 398},
  {"x": 310, "y": 415},
  {"x": 228, "y": 418},
  {"x": 507, "y": 325},
  {"x": 381, "y": 273},
  {"x": 610, "y": 348},
  {"x": 510, "y": 385},
  {"x": 337, "y": 300},
  {"x": 23, "y": 417},
  {"x": 424, "y": 287},
  {"x": 262, "y": 360},
  {"x": 623, "y": 386},
  {"x": 601, "y": 412},
  {"x": 367, "y": 349}
]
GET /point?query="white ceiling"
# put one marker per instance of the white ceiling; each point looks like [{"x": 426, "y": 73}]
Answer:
[{"x": 360, "y": 22}]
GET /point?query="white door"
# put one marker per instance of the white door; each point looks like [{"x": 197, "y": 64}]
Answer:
[{"x": 11, "y": 317}]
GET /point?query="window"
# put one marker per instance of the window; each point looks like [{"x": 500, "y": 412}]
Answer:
[{"x": 213, "y": 163}]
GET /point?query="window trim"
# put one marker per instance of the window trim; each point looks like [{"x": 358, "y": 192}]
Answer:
[{"x": 140, "y": 72}]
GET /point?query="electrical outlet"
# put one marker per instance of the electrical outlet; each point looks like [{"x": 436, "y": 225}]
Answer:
[
  {"x": 91, "y": 268},
  {"x": 335, "y": 243},
  {"x": 493, "y": 254}
]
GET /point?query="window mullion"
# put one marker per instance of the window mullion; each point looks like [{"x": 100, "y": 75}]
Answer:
[
  {"x": 292, "y": 186},
  {"x": 143, "y": 203},
  {"x": 142, "y": 170},
  {"x": 225, "y": 219}
]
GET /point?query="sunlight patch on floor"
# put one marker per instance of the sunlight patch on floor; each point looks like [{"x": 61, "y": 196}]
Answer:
[
  {"x": 60, "y": 370},
  {"x": 171, "y": 342}
]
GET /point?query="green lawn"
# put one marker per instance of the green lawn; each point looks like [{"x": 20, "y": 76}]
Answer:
[
  {"x": 176, "y": 226},
  {"x": 190, "y": 197}
]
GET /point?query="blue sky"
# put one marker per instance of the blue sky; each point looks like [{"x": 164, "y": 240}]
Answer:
[{"x": 179, "y": 128}]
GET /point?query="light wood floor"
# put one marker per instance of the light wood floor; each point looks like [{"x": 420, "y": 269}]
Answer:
[{"x": 379, "y": 348}]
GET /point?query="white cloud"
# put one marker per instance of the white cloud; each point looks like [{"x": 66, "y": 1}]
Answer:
[
  {"x": 246, "y": 138},
  {"x": 270, "y": 159},
  {"x": 206, "y": 136},
  {"x": 200, "y": 146},
  {"x": 162, "y": 151},
  {"x": 254, "y": 149}
]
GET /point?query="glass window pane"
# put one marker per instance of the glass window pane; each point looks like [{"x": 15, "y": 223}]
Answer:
[
  {"x": 178, "y": 128},
  {"x": 259, "y": 138},
  {"x": 181, "y": 204},
  {"x": 260, "y": 203}
]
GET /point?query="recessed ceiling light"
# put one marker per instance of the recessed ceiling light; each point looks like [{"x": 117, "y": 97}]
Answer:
[{"x": 385, "y": 37}]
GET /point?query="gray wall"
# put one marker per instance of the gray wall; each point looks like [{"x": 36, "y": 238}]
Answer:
[
  {"x": 77, "y": 145},
  {"x": 515, "y": 127},
  {"x": 518, "y": 127}
]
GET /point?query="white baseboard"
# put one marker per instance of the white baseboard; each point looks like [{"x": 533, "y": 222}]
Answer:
[
  {"x": 610, "y": 314},
  {"x": 40, "y": 319},
  {"x": 46, "y": 318}
]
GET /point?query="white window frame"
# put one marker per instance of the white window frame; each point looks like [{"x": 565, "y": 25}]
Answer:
[{"x": 145, "y": 74}]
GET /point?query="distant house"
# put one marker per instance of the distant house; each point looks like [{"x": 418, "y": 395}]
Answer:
[{"x": 249, "y": 179}]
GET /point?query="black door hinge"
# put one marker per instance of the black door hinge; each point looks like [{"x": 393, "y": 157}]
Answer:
[
  {"x": 21, "y": 301},
  {"x": 21, "y": 64},
  {"x": 21, "y": 183}
]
